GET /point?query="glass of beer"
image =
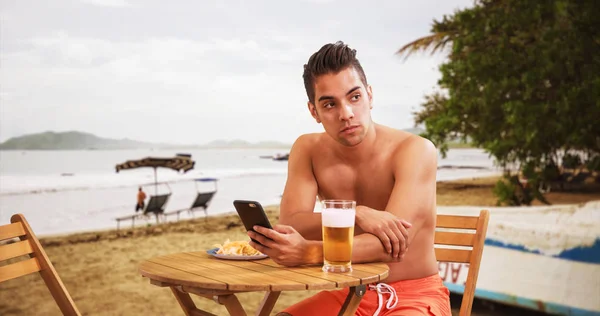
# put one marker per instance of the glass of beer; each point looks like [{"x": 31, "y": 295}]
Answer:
[{"x": 337, "y": 217}]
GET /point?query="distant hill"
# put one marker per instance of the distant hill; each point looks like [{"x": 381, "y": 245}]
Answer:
[
  {"x": 69, "y": 141},
  {"x": 75, "y": 140}
]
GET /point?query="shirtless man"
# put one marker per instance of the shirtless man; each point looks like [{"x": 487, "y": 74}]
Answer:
[
  {"x": 141, "y": 197},
  {"x": 390, "y": 174}
]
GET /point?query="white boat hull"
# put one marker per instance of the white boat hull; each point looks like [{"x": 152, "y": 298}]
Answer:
[{"x": 543, "y": 258}]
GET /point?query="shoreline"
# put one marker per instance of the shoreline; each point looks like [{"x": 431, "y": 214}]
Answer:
[
  {"x": 53, "y": 188},
  {"x": 476, "y": 191}
]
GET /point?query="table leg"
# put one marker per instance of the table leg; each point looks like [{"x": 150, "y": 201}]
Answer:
[
  {"x": 186, "y": 303},
  {"x": 232, "y": 304},
  {"x": 352, "y": 300},
  {"x": 267, "y": 304}
]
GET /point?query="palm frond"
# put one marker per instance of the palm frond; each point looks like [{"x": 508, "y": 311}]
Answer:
[{"x": 437, "y": 40}]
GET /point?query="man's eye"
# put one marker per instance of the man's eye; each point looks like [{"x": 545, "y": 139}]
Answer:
[
  {"x": 328, "y": 105},
  {"x": 356, "y": 97}
]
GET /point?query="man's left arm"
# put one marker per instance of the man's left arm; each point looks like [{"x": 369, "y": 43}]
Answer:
[{"x": 413, "y": 197}]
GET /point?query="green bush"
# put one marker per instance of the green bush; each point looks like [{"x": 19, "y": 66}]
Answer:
[
  {"x": 571, "y": 161},
  {"x": 512, "y": 192},
  {"x": 593, "y": 164}
]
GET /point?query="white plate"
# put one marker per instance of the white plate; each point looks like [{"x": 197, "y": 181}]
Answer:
[{"x": 213, "y": 252}]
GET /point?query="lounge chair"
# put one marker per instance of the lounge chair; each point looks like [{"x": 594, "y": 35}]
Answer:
[
  {"x": 156, "y": 205},
  {"x": 202, "y": 200}
]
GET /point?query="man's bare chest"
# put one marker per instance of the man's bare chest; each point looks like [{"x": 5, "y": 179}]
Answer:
[{"x": 369, "y": 184}]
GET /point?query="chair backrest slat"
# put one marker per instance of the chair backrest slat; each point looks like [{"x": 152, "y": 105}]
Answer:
[
  {"x": 11, "y": 231},
  {"x": 14, "y": 250},
  {"x": 38, "y": 262},
  {"x": 456, "y": 239},
  {"x": 470, "y": 248},
  {"x": 453, "y": 255},
  {"x": 18, "y": 269},
  {"x": 456, "y": 221}
]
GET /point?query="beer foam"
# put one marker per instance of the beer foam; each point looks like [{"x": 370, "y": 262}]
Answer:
[{"x": 332, "y": 217}]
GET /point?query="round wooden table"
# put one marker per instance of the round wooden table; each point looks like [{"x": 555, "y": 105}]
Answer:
[{"x": 204, "y": 275}]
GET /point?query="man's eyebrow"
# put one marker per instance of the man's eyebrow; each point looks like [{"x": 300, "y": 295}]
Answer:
[
  {"x": 328, "y": 97},
  {"x": 353, "y": 89},
  {"x": 325, "y": 97}
]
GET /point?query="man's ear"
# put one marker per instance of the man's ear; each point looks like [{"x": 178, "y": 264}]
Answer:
[
  {"x": 313, "y": 111},
  {"x": 370, "y": 94}
]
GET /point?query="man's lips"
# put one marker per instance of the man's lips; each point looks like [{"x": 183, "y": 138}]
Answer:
[{"x": 349, "y": 129}]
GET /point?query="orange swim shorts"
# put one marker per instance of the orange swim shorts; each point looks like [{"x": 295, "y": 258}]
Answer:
[{"x": 425, "y": 296}]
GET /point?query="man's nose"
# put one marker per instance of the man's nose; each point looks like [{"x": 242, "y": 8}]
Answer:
[{"x": 346, "y": 112}]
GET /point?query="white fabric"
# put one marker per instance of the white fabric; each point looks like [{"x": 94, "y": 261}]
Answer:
[{"x": 381, "y": 289}]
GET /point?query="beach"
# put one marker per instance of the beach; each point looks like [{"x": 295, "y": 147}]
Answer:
[{"x": 99, "y": 268}]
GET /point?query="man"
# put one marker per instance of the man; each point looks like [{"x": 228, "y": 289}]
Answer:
[
  {"x": 391, "y": 175},
  {"x": 141, "y": 197}
]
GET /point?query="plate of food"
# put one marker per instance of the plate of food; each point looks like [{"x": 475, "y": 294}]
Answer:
[{"x": 236, "y": 250}]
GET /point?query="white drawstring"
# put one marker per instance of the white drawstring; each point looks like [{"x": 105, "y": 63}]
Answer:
[{"x": 381, "y": 289}]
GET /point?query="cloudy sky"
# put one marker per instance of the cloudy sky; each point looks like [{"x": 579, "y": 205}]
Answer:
[{"x": 194, "y": 71}]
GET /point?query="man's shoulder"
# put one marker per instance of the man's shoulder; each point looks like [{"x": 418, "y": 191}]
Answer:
[
  {"x": 417, "y": 143},
  {"x": 307, "y": 140},
  {"x": 304, "y": 145},
  {"x": 405, "y": 140},
  {"x": 406, "y": 143}
]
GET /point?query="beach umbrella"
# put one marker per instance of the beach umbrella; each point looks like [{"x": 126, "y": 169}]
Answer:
[{"x": 179, "y": 163}]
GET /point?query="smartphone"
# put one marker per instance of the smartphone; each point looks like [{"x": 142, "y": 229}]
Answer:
[{"x": 251, "y": 213}]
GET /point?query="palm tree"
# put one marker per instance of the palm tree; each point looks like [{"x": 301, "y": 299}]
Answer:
[{"x": 437, "y": 40}]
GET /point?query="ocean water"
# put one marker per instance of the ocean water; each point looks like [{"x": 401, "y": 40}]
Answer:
[{"x": 71, "y": 191}]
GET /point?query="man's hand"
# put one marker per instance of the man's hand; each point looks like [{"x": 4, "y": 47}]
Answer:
[
  {"x": 283, "y": 244},
  {"x": 391, "y": 230}
]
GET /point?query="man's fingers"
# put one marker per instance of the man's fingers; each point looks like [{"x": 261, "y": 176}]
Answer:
[
  {"x": 395, "y": 241},
  {"x": 261, "y": 239},
  {"x": 405, "y": 241},
  {"x": 385, "y": 240},
  {"x": 284, "y": 229},
  {"x": 269, "y": 233},
  {"x": 260, "y": 247},
  {"x": 405, "y": 223},
  {"x": 403, "y": 230}
]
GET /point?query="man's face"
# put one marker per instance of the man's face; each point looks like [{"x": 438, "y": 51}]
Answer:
[{"x": 343, "y": 105}]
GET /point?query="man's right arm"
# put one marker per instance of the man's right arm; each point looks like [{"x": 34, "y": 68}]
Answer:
[{"x": 299, "y": 195}]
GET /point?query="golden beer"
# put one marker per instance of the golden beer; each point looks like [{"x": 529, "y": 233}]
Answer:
[
  {"x": 337, "y": 245},
  {"x": 337, "y": 218}
]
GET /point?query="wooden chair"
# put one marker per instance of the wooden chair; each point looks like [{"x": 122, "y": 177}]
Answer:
[
  {"x": 37, "y": 262},
  {"x": 468, "y": 233}
]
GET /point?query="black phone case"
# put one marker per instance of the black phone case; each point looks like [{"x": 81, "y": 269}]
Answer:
[{"x": 251, "y": 213}]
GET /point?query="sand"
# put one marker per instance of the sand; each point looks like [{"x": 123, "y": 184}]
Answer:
[{"x": 99, "y": 269}]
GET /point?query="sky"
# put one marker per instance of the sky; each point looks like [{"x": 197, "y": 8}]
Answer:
[{"x": 190, "y": 72}]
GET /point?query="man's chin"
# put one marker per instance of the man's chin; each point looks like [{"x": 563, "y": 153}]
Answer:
[{"x": 350, "y": 141}]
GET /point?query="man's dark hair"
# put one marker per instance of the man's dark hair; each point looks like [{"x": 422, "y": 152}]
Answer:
[{"x": 331, "y": 58}]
